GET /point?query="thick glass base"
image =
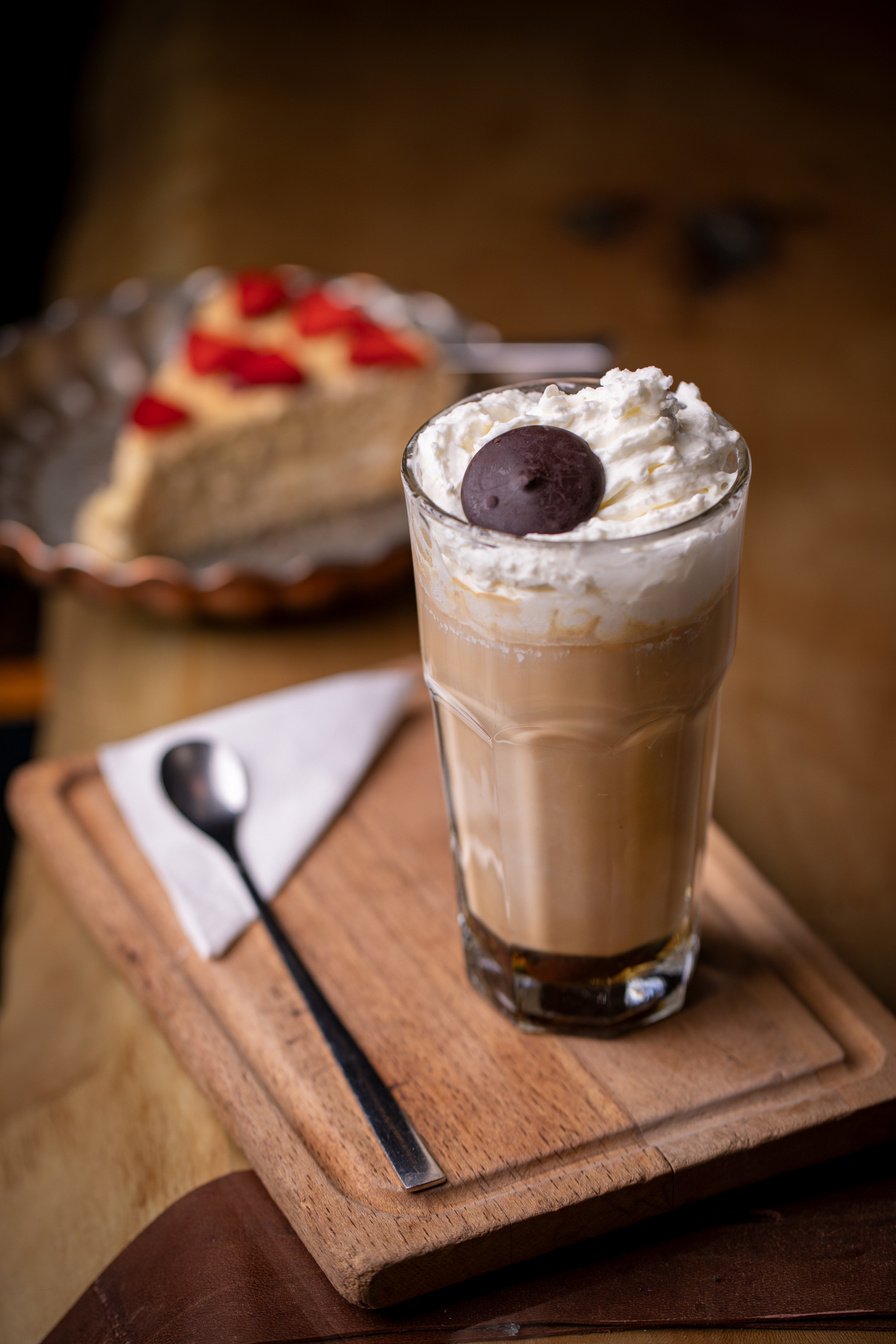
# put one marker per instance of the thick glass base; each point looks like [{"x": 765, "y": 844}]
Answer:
[{"x": 592, "y": 996}]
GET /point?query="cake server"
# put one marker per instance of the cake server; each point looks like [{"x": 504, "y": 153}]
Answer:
[
  {"x": 530, "y": 359},
  {"x": 208, "y": 784}
]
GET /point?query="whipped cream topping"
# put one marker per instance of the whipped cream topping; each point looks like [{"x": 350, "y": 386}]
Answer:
[
  {"x": 667, "y": 456},
  {"x": 668, "y": 459}
]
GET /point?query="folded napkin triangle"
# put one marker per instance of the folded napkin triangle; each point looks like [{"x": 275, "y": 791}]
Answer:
[{"x": 306, "y": 749}]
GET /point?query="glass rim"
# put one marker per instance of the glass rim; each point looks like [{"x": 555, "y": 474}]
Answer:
[{"x": 492, "y": 536}]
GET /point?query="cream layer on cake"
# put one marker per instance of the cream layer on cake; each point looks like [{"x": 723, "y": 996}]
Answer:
[{"x": 251, "y": 459}]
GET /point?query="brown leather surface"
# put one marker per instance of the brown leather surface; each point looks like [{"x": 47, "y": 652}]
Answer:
[{"x": 222, "y": 1263}]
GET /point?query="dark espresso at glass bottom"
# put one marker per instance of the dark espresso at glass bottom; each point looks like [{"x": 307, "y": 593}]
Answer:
[
  {"x": 541, "y": 990},
  {"x": 576, "y": 697}
]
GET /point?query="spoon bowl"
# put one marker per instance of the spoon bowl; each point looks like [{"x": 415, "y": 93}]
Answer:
[{"x": 208, "y": 784}]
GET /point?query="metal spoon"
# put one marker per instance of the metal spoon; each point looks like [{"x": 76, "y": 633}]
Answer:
[{"x": 208, "y": 784}]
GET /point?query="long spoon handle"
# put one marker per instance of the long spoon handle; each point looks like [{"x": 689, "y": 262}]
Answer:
[{"x": 412, "y": 1161}]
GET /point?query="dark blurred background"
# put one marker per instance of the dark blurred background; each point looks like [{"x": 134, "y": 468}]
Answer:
[
  {"x": 708, "y": 185},
  {"x": 598, "y": 120}
]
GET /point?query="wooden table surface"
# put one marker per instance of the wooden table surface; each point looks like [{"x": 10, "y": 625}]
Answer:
[{"x": 450, "y": 156}]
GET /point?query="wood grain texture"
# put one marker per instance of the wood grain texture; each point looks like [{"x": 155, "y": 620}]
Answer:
[
  {"x": 781, "y": 1057},
  {"x": 446, "y": 154}
]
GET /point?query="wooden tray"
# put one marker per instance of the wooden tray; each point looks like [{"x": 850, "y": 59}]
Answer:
[{"x": 781, "y": 1057}]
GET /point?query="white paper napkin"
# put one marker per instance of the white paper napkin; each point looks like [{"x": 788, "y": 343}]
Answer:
[{"x": 306, "y": 750}]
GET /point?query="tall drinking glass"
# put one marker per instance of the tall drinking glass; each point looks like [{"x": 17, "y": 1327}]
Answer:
[{"x": 577, "y": 725}]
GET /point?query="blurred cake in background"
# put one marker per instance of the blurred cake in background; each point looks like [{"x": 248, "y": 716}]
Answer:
[{"x": 284, "y": 402}]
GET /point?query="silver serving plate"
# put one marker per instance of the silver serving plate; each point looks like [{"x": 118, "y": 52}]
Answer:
[{"x": 66, "y": 381}]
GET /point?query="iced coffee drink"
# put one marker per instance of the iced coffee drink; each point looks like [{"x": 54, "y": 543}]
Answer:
[{"x": 576, "y": 550}]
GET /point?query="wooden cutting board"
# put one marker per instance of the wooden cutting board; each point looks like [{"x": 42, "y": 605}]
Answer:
[{"x": 781, "y": 1057}]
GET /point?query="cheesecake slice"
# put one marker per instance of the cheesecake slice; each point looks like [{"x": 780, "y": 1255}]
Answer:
[{"x": 283, "y": 403}]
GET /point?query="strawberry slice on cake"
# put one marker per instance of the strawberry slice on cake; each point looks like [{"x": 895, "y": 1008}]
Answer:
[{"x": 283, "y": 403}]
